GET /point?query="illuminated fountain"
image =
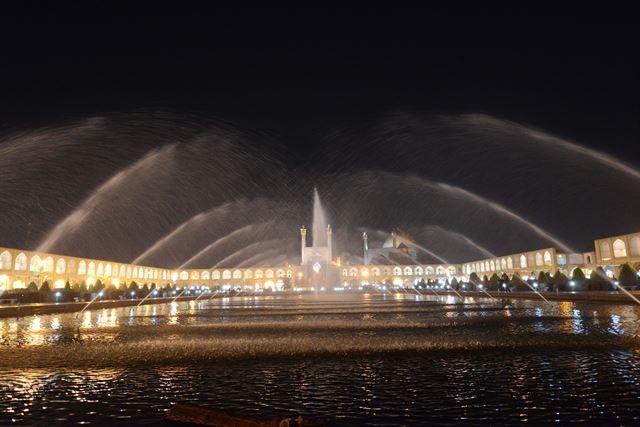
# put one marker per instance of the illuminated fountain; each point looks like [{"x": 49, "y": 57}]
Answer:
[{"x": 317, "y": 259}]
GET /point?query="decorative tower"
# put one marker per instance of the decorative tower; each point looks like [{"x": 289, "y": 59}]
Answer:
[
  {"x": 365, "y": 242},
  {"x": 329, "y": 246},
  {"x": 303, "y": 244}
]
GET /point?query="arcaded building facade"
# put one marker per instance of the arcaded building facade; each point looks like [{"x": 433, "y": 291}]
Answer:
[{"x": 19, "y": 268}]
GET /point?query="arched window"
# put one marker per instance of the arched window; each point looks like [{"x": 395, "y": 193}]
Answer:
[
  {"x": 48, "y": 265},
  {"x": 397, "y": 271},
  {"x": 429, "y": 271},
  {"x": 634, "y": 246},
  {"x": 538, "y": 259},
  {"x": 486, "y": 266},
  {"x": 280, "y": 274},
  {"x": 100, "y": 271},
  {"x": 123, "y": 271},
  {"x": 408, "y": 271},
  {"x": 289, "y": 273},
  {"x": 71, "y": 266},
  {"x": 509, "y": 263},
  {"x": 547, "y": 258},
  {"x": 226, "y": 274},
  {"x": 34, "y": 264},
  {"x": 375, "y": 271},
  {"x": 386, "y": 271},
  {"x": 353, "y": 272},
  {"x": 605, "y": 250},
  {"x": 493, "y": 266},
  {"x": 60, "y": 266},
  {"x": 419, "y": 271},
  {"x": 184, "y": 275},
  {"x": 503, "y": 263},
  {"x": 237, "y": 274},
  {"x": 107, "y": 270},
  {"x": 155, "y": 273},
  {"x": 345, "y": 272},
  {"x": 129, "y": 272},
  {"x": 451, "y": 270},
  {"x": 135, "y": 272},
  {"x": 523, "y": 261},
  {"x": 440, "y": 270},
  {"x": 205, "y": 275},
  {"x": 482, "y": 267},
  {"x": 141, "y": 273},
  {"x": 5, "y": 261},
  {"x": 619, "y": 249},
  {"x": 164, "y": 274},
  {"x": 195, "y": 275},
  {"x": 21, "y": 262},
  {"x": 82, "y": 267},
  {"x": 259, "y": 274},
  {"x": 92, "y": 269},
  {"x": 248, "y": 274},
  {"x": 216, "y": 275},
  {"x": 364, "y": 272}
]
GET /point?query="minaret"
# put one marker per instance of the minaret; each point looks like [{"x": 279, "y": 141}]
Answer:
[
  {"x": 303, "y": 243},
  {"x": 365, "y": 242},
  {"x": 329, "y": 234}
]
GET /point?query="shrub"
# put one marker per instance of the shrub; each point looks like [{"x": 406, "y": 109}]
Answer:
[
  {"x": 518, "y": 284},
  {"x": 598, "y": 281},
  {"x": 473, "y": 278},
  {"x": 494, "y": 282},
  {"x": 627, "y": 276},
  {"x": 560, "y": 281},
  {"x": 45, "y": 287}
]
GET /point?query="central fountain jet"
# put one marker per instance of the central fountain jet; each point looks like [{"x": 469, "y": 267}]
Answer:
[{"x": 317, "y": 260}]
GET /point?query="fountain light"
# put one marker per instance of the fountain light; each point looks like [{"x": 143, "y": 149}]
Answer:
[
  {"x": 58, "y": 294},
  {"x": 572, "y": 283}
]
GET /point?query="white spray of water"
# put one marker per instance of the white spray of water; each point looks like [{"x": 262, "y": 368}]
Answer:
[
  {"x": 164, "y": 240},
  {"x": 218, "y": 242},
  {"x": 97, "y": 197},
  {"x": 462, "y": 193},
  {"x": 319, "y": 228},
  {"x": 246, "y": 248},
  {"x": 551, "y": 140},
  {"x": 460, "y": 236}
]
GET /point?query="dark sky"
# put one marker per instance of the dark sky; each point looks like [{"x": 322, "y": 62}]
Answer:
[
  {"x": 293, "y": 70},
  {"x": 309, "y": 82}
]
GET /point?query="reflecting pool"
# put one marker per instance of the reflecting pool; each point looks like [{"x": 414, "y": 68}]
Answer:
[{"x": 367, "y": 359}]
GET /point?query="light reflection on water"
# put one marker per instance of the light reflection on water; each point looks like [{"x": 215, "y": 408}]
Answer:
[{"x": 569, "y": 381}]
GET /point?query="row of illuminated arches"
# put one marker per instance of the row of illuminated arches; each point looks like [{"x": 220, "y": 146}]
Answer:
[
  {"x": 620, "y": 248},
  {"x": 91, "y": 268},
  {"x": 507, "y": 263},
  {"x": 399, "y": 271},
  {"x": 235, "y": 274}
]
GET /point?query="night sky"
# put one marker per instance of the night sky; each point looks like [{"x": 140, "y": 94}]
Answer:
[{"x": 330, "y": 95}]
